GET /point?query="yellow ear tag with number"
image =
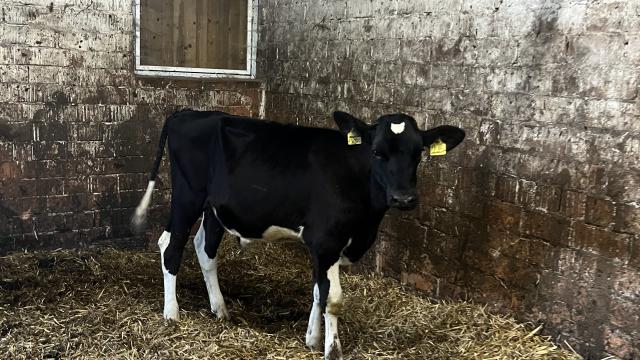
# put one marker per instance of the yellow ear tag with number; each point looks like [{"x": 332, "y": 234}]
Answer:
[
  {"x": 353, "y": 138},
  {"x": 438, "y": 148}
]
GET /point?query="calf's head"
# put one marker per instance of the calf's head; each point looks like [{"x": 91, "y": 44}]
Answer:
[{"x": 396, "y": 146}]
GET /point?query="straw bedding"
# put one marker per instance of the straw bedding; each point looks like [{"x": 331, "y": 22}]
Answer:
[{"x": 106, "y": 303}]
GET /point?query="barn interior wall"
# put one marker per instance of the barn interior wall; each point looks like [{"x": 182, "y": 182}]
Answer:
[
  {"x": 78, "y": 130},
  {"x": 538, "y": 212}
]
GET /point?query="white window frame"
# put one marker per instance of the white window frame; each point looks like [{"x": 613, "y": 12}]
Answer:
[{"x": 189, "y": 72}]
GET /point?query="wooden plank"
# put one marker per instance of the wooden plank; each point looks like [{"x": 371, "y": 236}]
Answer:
[
  {"x": 211, "y": 34},
  {"x": 244, "y": 29},
  {"x": 155, "y": 9},
  {"x": 178, "y": 34},
  {"x": 215, "y": 18},
  {"x": 150, "y": 31},
  {"x": 237, "y": 32},
  {"x": 224, "y": 31},
  {"x": 201, "y": 34},
  {"x": 144, "y": 35},
  {"x": 189, "y": 33},
  {"x": 232, "y": 34},
  {"x": 224, "y": 34},
  {"x": 166, "y": 35}
]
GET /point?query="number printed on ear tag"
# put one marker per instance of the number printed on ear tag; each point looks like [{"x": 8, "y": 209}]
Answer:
[
  {"x": 353, "y": 138},
  {"x": 438, "y": 148}
]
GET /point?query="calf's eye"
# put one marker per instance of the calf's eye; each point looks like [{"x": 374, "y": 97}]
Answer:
[{"x": 378, "y": 154}]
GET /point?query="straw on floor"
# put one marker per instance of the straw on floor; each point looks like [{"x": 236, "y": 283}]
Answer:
[{"x": 107, "y": 303}]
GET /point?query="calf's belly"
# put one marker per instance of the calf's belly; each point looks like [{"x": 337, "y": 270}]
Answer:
[{"x": 257, "y": 232}]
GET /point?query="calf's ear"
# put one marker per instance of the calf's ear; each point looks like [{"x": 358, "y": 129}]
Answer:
[
  {"x": 351, "y": 126},
  {"x": 450, "y": 135}
]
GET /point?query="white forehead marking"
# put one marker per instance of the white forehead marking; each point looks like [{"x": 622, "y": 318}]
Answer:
[{"x": 397, "y": 128}]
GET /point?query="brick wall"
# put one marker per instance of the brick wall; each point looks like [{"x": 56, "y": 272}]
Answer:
[
  {"x": 78, "y": 129},
  {"x": 538, "y": 212}
]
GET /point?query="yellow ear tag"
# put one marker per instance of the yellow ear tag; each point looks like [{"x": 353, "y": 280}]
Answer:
[
  {"x": 438, "y": 148},
  {"x": 353, "y": 138}
]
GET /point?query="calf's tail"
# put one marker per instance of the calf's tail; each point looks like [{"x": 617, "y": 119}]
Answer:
[{"x": 140, "y": 215}]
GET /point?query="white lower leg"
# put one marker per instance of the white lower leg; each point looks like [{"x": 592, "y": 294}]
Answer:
[
  {"x": 332, "y": 347},
  {"x": 171, "y": 310},
  {"x": 209, "y": 269},
  {"x": 314, "y": 335}
]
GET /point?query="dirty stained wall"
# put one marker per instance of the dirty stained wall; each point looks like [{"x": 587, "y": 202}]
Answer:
[
  {"x": 78, "y": 131},
  {"x": 538, "y": 212}
]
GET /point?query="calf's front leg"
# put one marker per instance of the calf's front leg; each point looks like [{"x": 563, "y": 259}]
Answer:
[
  {"x": 331, "y": 302},
  {"x": 206, "y": 245},
  {"x": 332, "y": 347}
]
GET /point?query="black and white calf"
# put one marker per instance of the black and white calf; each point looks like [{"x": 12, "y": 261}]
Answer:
[{"x": 264, "y": 180}]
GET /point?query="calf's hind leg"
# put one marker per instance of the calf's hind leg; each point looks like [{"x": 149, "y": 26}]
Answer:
[
  {"x": 171, "y": 245},
  {"x": 313, "y": 338},
  {"x": 206, "y": 244}
]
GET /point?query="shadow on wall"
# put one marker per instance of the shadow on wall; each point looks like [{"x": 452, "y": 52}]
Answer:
[{"x": 73, "y": 182}]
